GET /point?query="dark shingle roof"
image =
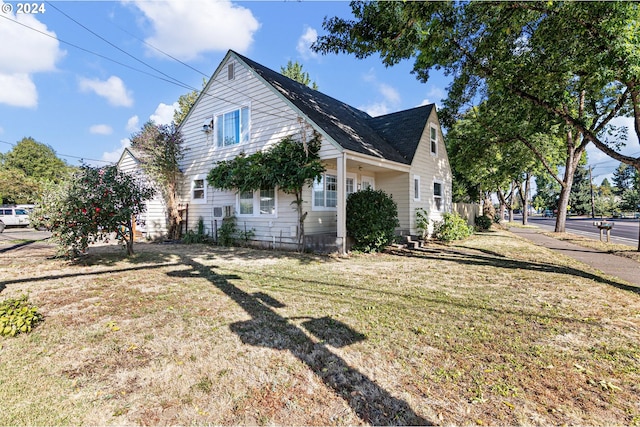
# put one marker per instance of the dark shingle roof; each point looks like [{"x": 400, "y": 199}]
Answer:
[{"x": 393, "y": 137}]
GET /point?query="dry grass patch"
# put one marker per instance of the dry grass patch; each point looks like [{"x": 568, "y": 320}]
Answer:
[{"x": 492, "y": 330}]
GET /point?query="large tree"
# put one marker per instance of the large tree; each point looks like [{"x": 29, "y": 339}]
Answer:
[
  {"x": 26, "y": 168},
  {"x": 578, "y": 61},
  {"x": 160, "y": 149}
]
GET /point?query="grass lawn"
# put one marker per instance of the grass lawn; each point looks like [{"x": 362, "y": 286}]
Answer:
[{"x": 491, "y": 330}]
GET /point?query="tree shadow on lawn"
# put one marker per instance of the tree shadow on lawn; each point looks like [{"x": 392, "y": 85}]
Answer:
[
  {"x": 494, "y": 259},
  {"x": 267, "y": 328}
]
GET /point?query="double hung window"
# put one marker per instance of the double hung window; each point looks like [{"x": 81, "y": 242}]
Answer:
[
  {"x": 232, "y": 127},
  {"x": 325, "y": 191},
  {"x": 437, "y": 195}
]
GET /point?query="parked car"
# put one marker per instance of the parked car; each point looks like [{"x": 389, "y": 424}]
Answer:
[
  {"x": 12, "y": 216},
  {"x": 548, "y": 213},
  {"x": 1, "y": 226}
]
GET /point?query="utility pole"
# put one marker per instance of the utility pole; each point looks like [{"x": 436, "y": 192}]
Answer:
[{"x": 593, "y": 205}]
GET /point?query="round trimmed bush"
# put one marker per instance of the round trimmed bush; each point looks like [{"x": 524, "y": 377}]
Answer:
[
  {"x": 452, "y": 227},
  {"x": 483, "y": 223},
  {"x": 372, "y": 217}
]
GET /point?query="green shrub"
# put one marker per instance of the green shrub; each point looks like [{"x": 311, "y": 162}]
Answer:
[
  {"x": 372, "y": 217},
  {"x": 483, "y": 223},
  {"x": 18, "y": 316},
  {"x": 198, "y": 236},
  {"x": 452, "y": 227},
  {"x": 229, "y": 233},
  {"x": 422, "y": 222}
]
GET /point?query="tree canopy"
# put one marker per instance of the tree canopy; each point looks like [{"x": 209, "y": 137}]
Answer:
[
  {"x": 293, "y": 70},
  {"x": 578, "y": 62},
  {"x": 26, "y": 168},
  {"x": 289, "y": 166},
  {"x": 160, "y": 148}
]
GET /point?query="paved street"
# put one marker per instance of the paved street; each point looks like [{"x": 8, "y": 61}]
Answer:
[
  {"x": 15, "y": 238},
  {"x": 625, "y": 231}
]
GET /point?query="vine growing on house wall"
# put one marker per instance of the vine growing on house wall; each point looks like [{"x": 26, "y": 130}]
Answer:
[{"x": 288, "y": 166}]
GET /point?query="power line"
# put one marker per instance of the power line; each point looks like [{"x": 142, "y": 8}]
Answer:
[
  {"x": 174, "y": 80},
  {"x": 64, "y": 155}
]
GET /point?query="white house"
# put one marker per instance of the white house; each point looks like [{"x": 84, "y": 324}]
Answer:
[
  {"x": 246, "y": 107},
  {"x": 151, "y": 224}
]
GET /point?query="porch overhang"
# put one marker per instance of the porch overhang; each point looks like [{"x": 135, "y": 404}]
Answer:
[{"x": 375, "y": 164}]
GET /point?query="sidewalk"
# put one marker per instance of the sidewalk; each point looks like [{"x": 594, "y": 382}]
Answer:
[{"x": 612, "y": 265}]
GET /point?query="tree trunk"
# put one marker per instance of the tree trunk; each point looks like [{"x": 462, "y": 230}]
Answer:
[
  {"x": 573, "y": 157},
  {"x": 503, "y": 204},
  {"x": 523, "y": 199}
]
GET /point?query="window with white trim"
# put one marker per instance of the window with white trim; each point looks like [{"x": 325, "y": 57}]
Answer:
[
  {"x": 199, "y": 190},
  {"x": 257, "y": 203},
  {"x": 232, "y": 128},
  {"x": 416, "y": 187},
  {"x": 433, "y": 138},
  {"x": 325, "y": 192},
  {"x": 437, "y": 194}
]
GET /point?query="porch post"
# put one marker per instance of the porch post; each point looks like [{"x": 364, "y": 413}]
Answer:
[{"x": 342, "y": 202}]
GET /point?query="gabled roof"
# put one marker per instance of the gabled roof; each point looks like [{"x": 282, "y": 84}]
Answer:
[{"x": 392, "y": 137}]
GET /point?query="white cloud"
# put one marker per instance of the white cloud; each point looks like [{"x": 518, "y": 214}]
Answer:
[
  {"x": 112, "y": 89},
  {"x": 376, "y": 109},
  {"x": 305, "y": 41},
  {"x": 187, "y": 29},
  {"x": 114, "y": 156},
  {"x": 101, "y": 130},
  {"x": 133, "y": 123},
  {"x": 24, "y": 53},
  {"x": 389, "y": 93},
  {"x": 164, "y": 113},
  {"x": 18, "y": 90},
  {"x": 391, "y": 98}
]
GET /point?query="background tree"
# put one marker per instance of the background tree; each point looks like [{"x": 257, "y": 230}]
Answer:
[
  {"x": 185, "y": 102},
  {"x": 293, "y": 70},
  {"x": 580, "y": 198},
  {"x": 287, "y": 166},
  {"x": 160, "y": 149},
  {"x": 623, "y": 178},
  {"x": 26, "y": 168},
  {"x": 90, "y": 206}
]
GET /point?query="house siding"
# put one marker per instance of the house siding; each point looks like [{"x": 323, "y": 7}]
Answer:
[
  {"x": 396, "y": 184},
  {"x": 271, "y": 120},
  {"x": 430, "y": 168},
  {"x": 155, "y": 216}
]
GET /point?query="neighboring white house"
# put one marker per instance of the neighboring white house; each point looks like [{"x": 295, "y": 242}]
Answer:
[
  {"x": 151, "y": 224},
  {"x": 246, "y": 107}
]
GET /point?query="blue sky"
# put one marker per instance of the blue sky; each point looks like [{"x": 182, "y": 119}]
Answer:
[
  {"x": 81, "y": 76},
  {"x": 67, "y": 74}
]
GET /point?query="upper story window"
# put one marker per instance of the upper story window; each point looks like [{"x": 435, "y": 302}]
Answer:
[
  {"x": 433, "y": 138},
  {"x": 232, "y": 127}
]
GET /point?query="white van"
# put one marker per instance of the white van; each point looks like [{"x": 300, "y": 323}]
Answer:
[{"x": 12, "y": 216}]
